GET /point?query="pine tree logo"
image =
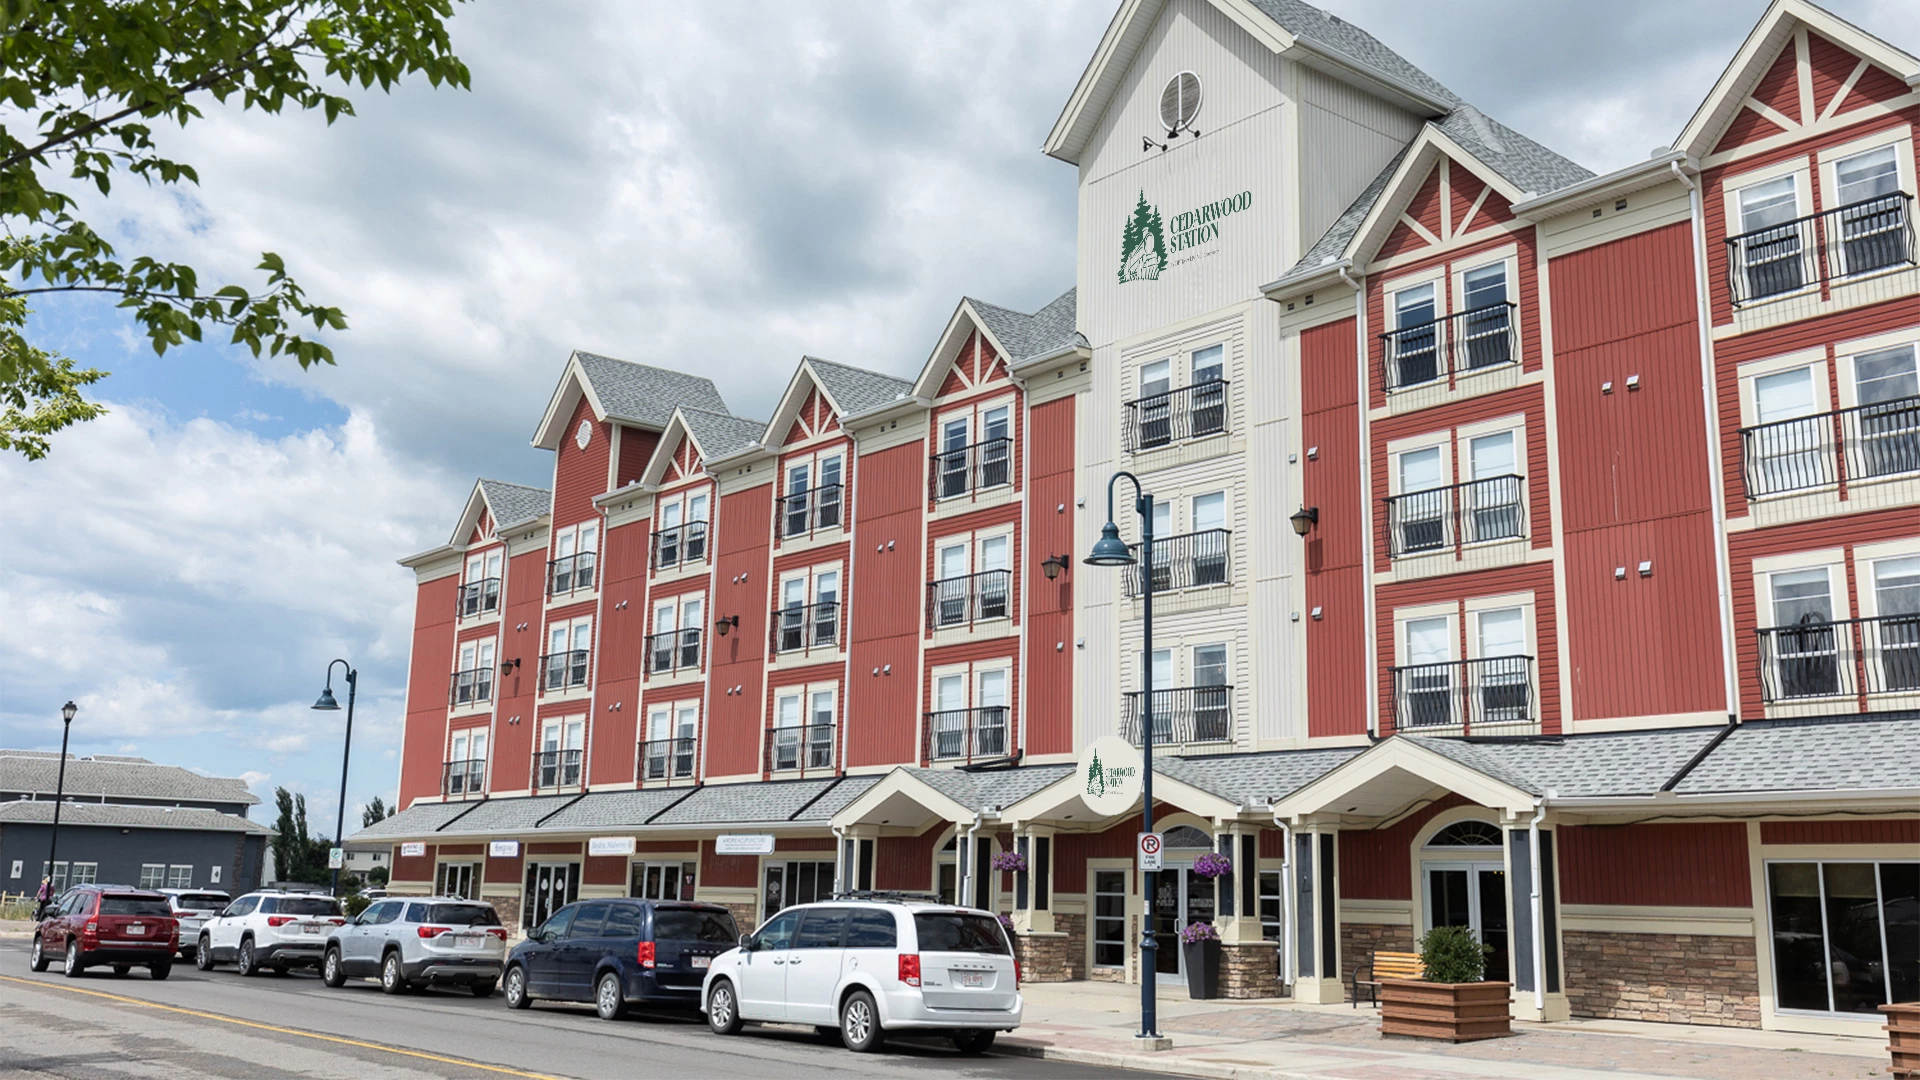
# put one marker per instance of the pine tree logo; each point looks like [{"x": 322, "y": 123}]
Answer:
[
  {"x": 1096, "y": 776},
  {"x": 1143, "y": 247}
]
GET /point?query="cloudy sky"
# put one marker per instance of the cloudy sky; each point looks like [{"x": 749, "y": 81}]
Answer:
[{"x": 717, "y": 187}]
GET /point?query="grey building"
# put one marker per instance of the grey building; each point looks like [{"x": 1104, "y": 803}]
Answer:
[{"x": 129, "y": 821}]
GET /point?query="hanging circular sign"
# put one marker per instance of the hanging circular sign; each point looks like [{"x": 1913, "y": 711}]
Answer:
[{"x": 1110, "y": 776}]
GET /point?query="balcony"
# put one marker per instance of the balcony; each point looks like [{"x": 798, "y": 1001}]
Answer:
[
  {"x": 471, "y": 687},
  {"x": 1442, "y": 519},
  {"x": 961, "y": 470},
  {"x": 563, "y": 670},
  {"x": 1182, "y": 715},
  {"x": 1489, "y": 696},
  {"x": 1865, "y": 442},
  {"x": 1847, "y": 658},
  {"x": 571, "y": 574},
  {"x": 673, "y": 650},
  {"x": 1868, "y": 236},
  {"x": 800, "y": 750},
  {"x": 803, "y": 628},
  {"x": 664, "y": 760},
  {"x": 1191, "y": 412},
  {"x": 1190, "y": 561},
  {"x": 963, "y": 601},
  {"x": 478, "y": 598},
  {"x": 803, "y": 513},
  {"x": 556, "y": 769},
  {"x": 679, "y": 545},
  {"x": 459, "y": 779},
  {"x": 966, "y": 735},
  {"x": 1464, "y": 343}
]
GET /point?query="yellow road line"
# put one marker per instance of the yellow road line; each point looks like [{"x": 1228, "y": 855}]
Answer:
[{"x": 123, "y": 999}]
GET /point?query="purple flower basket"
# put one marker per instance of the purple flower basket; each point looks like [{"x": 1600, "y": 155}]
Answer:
[
  {"x": 1010, "y": 861},
  {"x": 1211, "y": 865}
]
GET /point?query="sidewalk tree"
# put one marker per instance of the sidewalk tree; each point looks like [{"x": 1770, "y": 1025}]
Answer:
[
  {"x": 85, "y": 88},
  {"x": 373, "y": 811}
]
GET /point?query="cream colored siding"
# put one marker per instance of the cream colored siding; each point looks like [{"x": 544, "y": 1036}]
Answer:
[{"x": 1346, "y": 138}]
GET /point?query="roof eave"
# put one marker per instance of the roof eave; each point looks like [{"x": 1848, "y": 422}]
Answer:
[
  {"x": 1042, "y": 361},
  {"x": 416, "y": 561},
  {"x": 1328, "y": 60},
  {"x": 886, "y": 411},
  {"x": 1635, "y": 177},
  {"x": 1323, "y": 275}
]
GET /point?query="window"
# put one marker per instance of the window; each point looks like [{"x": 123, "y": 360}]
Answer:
[
  {"x": 473, "y": 683},
  {"x": 558, "y": 762},
  {"x": 822, "y": 928},
  {"x": 1413, "y": 353},
  {"x": 1769, "y": 247},
  {"x": 662, "y": 880},
  {"x": 1887, "y": 386},
  {"x": 1208, "y": 543},
  {"x": 467, "y": 763},
  {"x": 1872, "y": 219},
  {"x": 568, "y": 644},
  {"x": 800, "y": 625},
  {"x": 1845, "y": 935},
  {"x": 1427, "y": 691},
  {"x": 802, "y": 741},
  {"x": 481, "y": 591},
  {"x": 153, "y": 875},
  {"x": 1422, "y": 505},
  {"x": 1485, "y": 331},
  {"x": 814, "y": 495},
  {"x": 1504, "y": 696},
  {"x": 1109, "y": 918},
  {"x": 179, "y": 877},
  {"x": 681, "y": 533},
  {"x": 1273, "y": 913},
  {"x": 668, "y": 752},
  {"x": 1209, "y": 405},
  {"x": 1806, "y": 655},
  {"x": 1787, "y": 448},
  {"x": 1492, "y": 508},
  {"x": 1896, "y": 599},
  {"x": 1155, "y": 411},
  {"x": 574, "y": 553},
  {"x": 995, "y": 447},
  {"x": 679, "y": 624},
  {"x": 990, "y": 698},
  {"x": 1468, "y": 834},
  {"x": 1212, "y": 721},
  {"x": 872, "y": 929}
]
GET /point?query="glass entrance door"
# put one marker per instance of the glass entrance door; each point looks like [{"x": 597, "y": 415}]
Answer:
[
  {"x": 1180, "y": 897},
  {"x": 1473, "y": 895},
  {"x": 550, "y": 887}
]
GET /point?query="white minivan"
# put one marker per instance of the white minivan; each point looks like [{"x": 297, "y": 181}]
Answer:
[{"x": 867, "y": 967}]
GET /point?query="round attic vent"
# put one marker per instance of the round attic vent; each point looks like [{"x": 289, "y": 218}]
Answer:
[
  {"x": 1180, "y": 102},
  {"x": 583, "y": 434}
]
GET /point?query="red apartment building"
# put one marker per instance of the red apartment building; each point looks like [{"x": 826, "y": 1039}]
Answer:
[{"x": 1601, "y": 635}]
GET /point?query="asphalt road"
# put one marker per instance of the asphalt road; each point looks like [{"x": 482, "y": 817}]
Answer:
[{"x": 221, "y": 1025}]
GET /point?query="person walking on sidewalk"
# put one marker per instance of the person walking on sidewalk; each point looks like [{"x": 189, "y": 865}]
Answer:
[{"x": 43, "y": 898}]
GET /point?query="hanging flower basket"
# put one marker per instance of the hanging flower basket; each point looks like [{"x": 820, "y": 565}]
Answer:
[
  {"x": 1010, "y": 861},
  {"x": 1211, "y": 865}
]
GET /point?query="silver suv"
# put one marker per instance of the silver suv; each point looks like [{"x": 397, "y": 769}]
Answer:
[
  {"x": 419, "y": 941},
  {"x": 193, "y": 907}
]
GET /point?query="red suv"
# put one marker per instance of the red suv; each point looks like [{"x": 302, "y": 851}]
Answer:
[{"x": 108, "y": 924}]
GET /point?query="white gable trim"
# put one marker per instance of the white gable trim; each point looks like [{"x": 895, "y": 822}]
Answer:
[
  {"x": 1325, "y": 795},
  {"x": 670, "y": 439},
  {"x": 947, "y": 350},
  {"x": 1425, "y": 154},
  {"x": 573, "y": 385}
]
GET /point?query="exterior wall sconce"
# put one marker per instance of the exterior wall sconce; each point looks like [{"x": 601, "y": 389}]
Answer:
[
  {"x": 1053, "y": 566},
  {"x": 1304, "y": 519},
  {"x": 507, "y": 666},
  {"x": 721, "y": 626}
]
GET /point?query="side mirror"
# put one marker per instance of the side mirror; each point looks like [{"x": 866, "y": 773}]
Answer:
[{"x": 749, "y": 943}]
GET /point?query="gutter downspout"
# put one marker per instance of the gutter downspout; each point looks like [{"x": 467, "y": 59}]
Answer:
[
  {"x": 840, "y": 857},
  {"x": 1366, "y": 505},
  {"x": 1288, "y": 931},
  {"x": 966, "y": 879},
  {"x": 1730, "y": 670},
  {"x": 1539, "y": 924}
]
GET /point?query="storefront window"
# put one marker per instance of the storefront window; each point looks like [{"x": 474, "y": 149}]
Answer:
[
  {"x": 1846, "y": 935},
  {"x": 1110, "y": 918}
]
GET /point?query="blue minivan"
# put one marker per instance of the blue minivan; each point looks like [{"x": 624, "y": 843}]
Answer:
[{"x": 620, "y": 952}]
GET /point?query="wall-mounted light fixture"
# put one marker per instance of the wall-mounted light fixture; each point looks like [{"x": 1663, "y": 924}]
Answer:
[
  {"x": 507, "y": 666},
  {"x": 1053, "y": 566},
  {"x": 1304, "y": 519},
  {"x": 721, "y": 626}
]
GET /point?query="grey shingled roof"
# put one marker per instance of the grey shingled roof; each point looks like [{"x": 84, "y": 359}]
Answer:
[
  {"x": 420, "y": 819},
  {"x": 118, "y": 815},
  {"x": 513, "y": 503},
  {"x": 837, "y": 798},
  {"x": 119, "y": 777},
  {"x": 1581, "y": 766},
  {"x": 856, "y": 390},
  {"x": 1025, "y": 336},
  {"x": 1843, "y": 754},
  {"x": 1331, "y": 33},
  {"x": 992, "y": 787},
  {"x": 505, "y": 815},
  {"x": 764, "y": 802},
  {"x": 719, "y": 434},
  {"x": 616, "y": 809},
  {"x": 647, "y": 395},
  {"x": 1255, "y": 777}
]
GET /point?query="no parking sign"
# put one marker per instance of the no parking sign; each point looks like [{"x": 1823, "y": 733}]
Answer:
[{"x": 1149, "y": 844}]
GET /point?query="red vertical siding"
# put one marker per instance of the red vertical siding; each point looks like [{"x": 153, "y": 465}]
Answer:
[
  {"x": 512, "y": 753},
  {"x": 740, "y": 587},
  {"x": 427, "y": 668},
  {"x": 727, "y": 871},
  {"x": 884, "y": 609},
  {"x": 1330, "y": 425},
  {"x": 636, "y": 447},
  {"x": 618, "y": 653},
  {"x": 579, "y": 475},
  {"x": 1048, "y": 686},
  {"x": 414, "y": 867},
  {"x": 1677, "y": 865},
  {"x": 905, "y": 862},
  {"x": 1536, "y": 578},
  {"x": 1376, "y": 864}
]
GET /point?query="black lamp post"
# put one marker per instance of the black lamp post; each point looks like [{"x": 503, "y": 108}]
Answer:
[
  {"x": 59, "y": 793},
  {"x": 327, "y": 704},
  {"x": 1110, "y": 550}
]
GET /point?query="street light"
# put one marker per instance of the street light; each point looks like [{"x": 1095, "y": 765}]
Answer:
[
  {"x": 59, "y": 795},
  {"x": 1110, "y": 550},
  {"x": 327, "y": 704}
]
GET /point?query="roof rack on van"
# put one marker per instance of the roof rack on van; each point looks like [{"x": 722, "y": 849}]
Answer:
[
  {"x": 294, "y": 887},
  {"x": 887, "y": 894}
]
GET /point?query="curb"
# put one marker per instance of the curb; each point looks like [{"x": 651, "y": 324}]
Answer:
[{"x": 1161, "y": 1062}]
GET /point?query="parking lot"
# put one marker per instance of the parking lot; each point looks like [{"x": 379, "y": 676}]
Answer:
[{"x": 222, "y": 1025}]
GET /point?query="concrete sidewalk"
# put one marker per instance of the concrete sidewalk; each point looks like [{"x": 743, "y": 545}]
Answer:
[{"x": 1094, "y": 1023}]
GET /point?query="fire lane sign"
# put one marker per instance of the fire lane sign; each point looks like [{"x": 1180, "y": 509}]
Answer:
[{"x": 1148, "y": 844}]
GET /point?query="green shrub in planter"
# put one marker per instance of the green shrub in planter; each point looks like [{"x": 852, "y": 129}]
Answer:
[
  {"x": 1451, "y": 955},
  {"x": 355, "y": 904}
]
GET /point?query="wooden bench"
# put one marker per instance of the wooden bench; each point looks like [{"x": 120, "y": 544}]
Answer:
[{"x": 1385, "y": 965}]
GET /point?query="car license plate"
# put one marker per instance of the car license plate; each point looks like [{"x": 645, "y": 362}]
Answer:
[
  {"x": 469, "y": 941},
  {"x": 974, "y": 979},
  {"x": 702, "y": 962},
  {"x": 310, "y": 928},
  {"x": 136, "y": 928}
]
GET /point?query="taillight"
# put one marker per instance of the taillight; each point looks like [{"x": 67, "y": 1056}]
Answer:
[
  {"x": 644, "y": 952},
  {"x": 338, "y": 922},
  {"x": 90, "y": 933},
  {"x": 497, "y": 931},
  {"x": 910, "y": 968},
  {"x": 1016, "y": 974},
  {"x": 432, "y": 931},
  {"x": 279, "y": 920}
]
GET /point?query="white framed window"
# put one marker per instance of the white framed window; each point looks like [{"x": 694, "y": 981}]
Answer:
[
  {"x": 153, "y": 875},
  {"x": 976, "y": 449},
  {"x": 1803, "y": 654},
  {"x": 670, "y": 739},
  {"x": 179, "y": 877},
  {"x": 970, "y": 712},
  {"x": 679, "y": 628},
  {"x": 1422, "y": 509},
  {"x": 1209, "y": 365},
  {"x": 1483, "y": 334},
  {"x": 1893, "y": 637},
  {"x": 1424, "y": 684},
  {"x": 804, "y": 725},
  {"x": 562, "y": 748},
  {"x": 1209, "y": 712},
  {"x": 1770, "y": 247},
  {"x": 1413, "y": 345},
  {"x": 473, "y": 682},
  {"x": 1156, "y": 377},
  {"x": 1110, "y": 893},
  {"x": 480, "y": 589},
  {"x": 810, "y": 610},
  {"x": 681, "y": 527},
  {"x": 575, "y": 551},
  {"x": 815, "y": 493},
  {"x": 569, "y": 644},
  {"x": 1492, "y": 504}
]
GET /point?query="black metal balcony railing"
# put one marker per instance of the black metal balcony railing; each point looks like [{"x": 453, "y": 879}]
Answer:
[
  {"x": 679, "y": 545},
  {"x": 478, "y": 597},
  {"x": 574, "y": 573},
  {"x": 1860, "y": 238},
  {"x": 801, "y": 749},
  {"x": 1420, "y": 522},
  {"x": 1191, "y": 412},
  {"x": 983, "y": 465},
  {"x": 471, "y": 687},
  {"x": 1845, "y": 658},
  {"x": 563, "y": 670},
  {"x": 963, "y": 601},
  {"x": 1181, "y": 715},
  {"x": 666, "y": 759},
  {"x": 1881, "y": 439},
  {"x": 1189, "y": 561},
  {"x": 1489, "y": 696},
  {"x": 805, "y": 627},
  {"x": 468, "y": 777},
  {"x": 803, "y": 513},
  {"x": 673, "y": 650},
  {"x": 1462, "y": 343},
  {"x": 556, "y": 769},
  {"x": 965, "y": 735}
]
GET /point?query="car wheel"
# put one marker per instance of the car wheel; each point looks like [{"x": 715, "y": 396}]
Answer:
[
  {"x": 973, "y": 1041},
  {"x": 392, "y": 981},
  {"x": 723, "y": 1009},
  {"x": 517, "y": 996},
  {"x": 73, "y": 959},
  {"x": 245, "y": 959},
  {"x": 860, "y": 1023},
  {"x": 203, "y": 955},
  {"x": 37, "y": 959},
  {"x": 483, "y": 988},
  {"x": 122, "y": 969},
  {"x": 160, "y": 971},
  {"x": 608, "y": 999},
  {"x": 331, "y": 971}
]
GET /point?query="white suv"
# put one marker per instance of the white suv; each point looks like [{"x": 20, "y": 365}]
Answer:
[
  {"x": 868, "y": 966},
  {"x": 272, "y": 928}
]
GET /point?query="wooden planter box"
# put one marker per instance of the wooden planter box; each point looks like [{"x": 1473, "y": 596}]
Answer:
[
  {"x": 1903, "y": 1039},
  {"x": 1456, "y": 1012}
]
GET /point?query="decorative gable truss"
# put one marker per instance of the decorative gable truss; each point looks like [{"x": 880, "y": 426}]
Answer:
[
  {"x": 482, "y": 529},
  {"x": 966, "y": 358},
  {"x": 1441, "y": 197}
]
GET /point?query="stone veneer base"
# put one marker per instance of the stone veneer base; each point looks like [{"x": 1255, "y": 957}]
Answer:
[{"x": 1667, "y": 978}]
